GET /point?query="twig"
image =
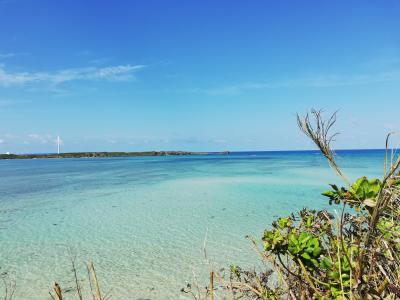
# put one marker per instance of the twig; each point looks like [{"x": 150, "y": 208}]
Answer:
[
  {"x": 78, "y": 287},
  {"x": 57, "y": 291},
  {"x": 98, "y": 292},
  {"x": 211, "y": 285},
  {"x": 318, "y": 131}
]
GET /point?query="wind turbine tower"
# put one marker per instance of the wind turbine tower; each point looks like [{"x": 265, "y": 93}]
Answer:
[{"x": 58, "y": 145}]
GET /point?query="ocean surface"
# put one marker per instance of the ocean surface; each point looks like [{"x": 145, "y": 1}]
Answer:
[{"x": 144, "y": 221}]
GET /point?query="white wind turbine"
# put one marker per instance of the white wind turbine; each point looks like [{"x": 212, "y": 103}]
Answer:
[{"x": 58, "y": 144}]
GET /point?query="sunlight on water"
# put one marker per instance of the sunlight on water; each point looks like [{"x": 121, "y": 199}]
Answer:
[{"x": 143, "y": 220}]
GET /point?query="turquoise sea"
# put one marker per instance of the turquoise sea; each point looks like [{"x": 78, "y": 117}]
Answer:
[{"x": 143, "y": 220}]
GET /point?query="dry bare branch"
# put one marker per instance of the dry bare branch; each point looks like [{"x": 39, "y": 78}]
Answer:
[{"x": 318, "y": 130}]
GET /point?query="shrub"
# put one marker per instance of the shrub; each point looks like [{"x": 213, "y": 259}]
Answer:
[{"x": 353, "y": 254}]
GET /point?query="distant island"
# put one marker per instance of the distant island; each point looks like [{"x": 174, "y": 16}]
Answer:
[{"x": 106, "y": 154}]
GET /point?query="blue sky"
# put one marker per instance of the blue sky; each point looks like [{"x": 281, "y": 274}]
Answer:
[{"x": 195, "y": 75}]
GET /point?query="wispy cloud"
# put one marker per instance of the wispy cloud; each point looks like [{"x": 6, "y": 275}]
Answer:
[
  {"x": 12, "y": 54},
  {"x": 111, "y": 73},
  {"x": 7, "y": 55},
  {"x": 37, "y": 138},
  {"x": 40, "y": 138},
  {"x": 30, "y": 139},
  {"x": 306, "y": 82}
]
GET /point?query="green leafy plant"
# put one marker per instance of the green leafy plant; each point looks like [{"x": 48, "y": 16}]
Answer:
[
  {"x": 354, "y": 254},
  {"x": 361, "y": 193}
]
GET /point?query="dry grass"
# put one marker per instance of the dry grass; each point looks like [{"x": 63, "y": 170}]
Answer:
[{"x": 94, "y": 285}]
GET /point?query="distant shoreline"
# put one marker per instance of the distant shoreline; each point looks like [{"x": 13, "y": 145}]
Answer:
[
  {"x": 94, "y": 154},
  {"x": 107, "y": 154}
]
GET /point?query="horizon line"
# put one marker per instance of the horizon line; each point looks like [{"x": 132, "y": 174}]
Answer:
[{"x": 208, "y": 152}]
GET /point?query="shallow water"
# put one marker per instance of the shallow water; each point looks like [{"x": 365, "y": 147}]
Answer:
[{"x": 143, "y": 220}]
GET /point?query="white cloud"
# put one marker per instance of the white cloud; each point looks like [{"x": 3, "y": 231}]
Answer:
[
  {"x": 30, "y": 139},
  {"x": 1, "y": 141},
  {"x": 7, "y": 55},
  {"x": 40, "y": 138},
  {"x": 12, "y": 54},
  {"x": 301, "y": 82},
  {"x": 111, "y": 73}
]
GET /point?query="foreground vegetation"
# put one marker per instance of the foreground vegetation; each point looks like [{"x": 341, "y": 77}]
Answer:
[{"x": 351, "y": 254}]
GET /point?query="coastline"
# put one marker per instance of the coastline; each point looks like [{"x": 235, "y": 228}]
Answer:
[{"x": 107, "y": 154}]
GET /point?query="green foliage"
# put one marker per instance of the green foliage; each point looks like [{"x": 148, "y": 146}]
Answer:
[
  {"x": 309, "y": 243},
  {"x": 305, "y": 247},
  {"x": 353, "y": 254},
  {"x": 320, "y": 256},
  {"x": 286, "y": 239},
  {"x": 274, "y": 241},
  {"x": 325, "y": 257},
  {"x": 362, "y": 193},
  {"x": 336, "y": 195},
  {"x": 366, "y": 189}
]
